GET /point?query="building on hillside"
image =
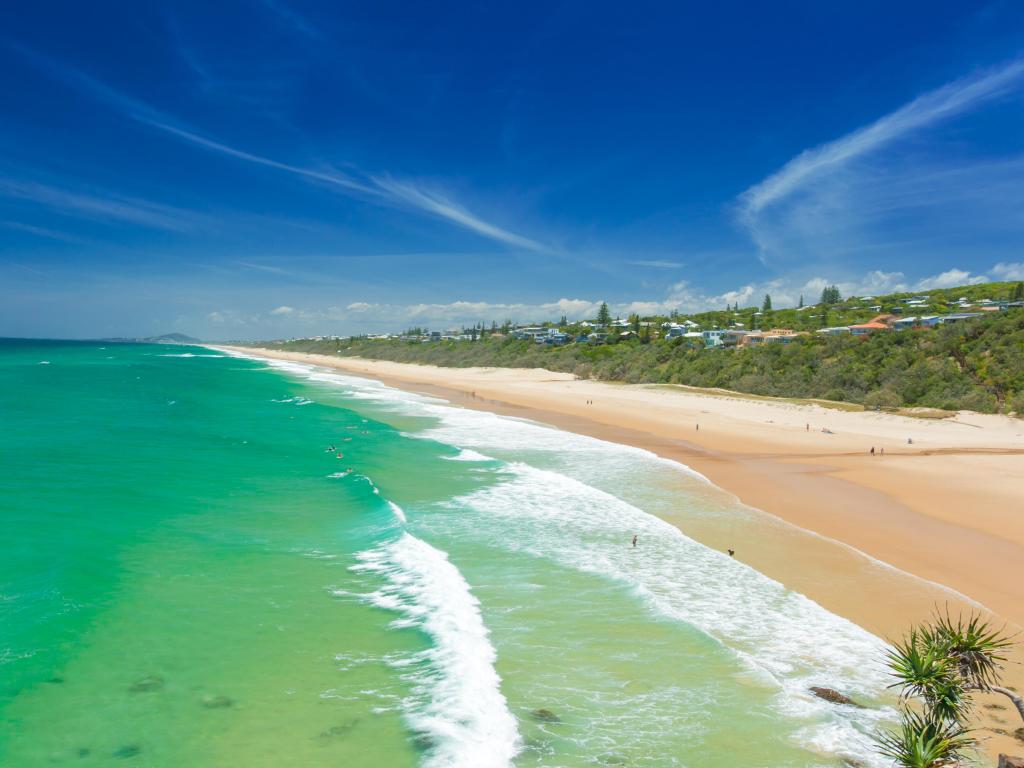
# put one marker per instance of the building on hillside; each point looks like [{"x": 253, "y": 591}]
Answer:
[
  {"x": 713, "y": 338},
  {"x": 837, "y": 330},
  {"x": 864, "y": 329},
  {"x": 884, "y": 319},
  {"x": 956, "y": 317},
  {"x": 782, "y": 335}
]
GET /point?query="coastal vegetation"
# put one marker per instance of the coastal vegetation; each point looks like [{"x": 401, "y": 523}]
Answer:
[
  {"x": 938, "y": 668},
  {"x": 976, "y": 363}
]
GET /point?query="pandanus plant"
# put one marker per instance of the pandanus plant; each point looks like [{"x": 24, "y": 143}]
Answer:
[{"x": 938, "y": 666}]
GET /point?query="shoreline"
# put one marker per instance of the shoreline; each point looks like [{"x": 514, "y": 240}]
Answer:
[{"x": 881, "y": 540}]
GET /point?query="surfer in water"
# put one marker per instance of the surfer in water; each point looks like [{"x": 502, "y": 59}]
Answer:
[{"x": 634, "y": 541}]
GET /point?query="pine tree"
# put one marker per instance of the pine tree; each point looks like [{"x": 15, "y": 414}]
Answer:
[
  {"x": 766, "y": 307},
  {"x": 604, "y": 317},
  {"x": 1018, "y": 292},
  {"x": 801, "y": 304}
]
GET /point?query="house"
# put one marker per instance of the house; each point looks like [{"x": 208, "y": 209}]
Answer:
[
  {"x": 837, "y": 330},
  {"x": 782, "y": 335},
  {"x": 886, "y": 320},
  {"x": 904, "y": 323},
  {"x": 733, "y": 337},
  {"x": 956, "y": 317},
  {"x": 916, "y": 300},
  {"x": 865, "y": 329},
  {"x": 713, "y": 338}
]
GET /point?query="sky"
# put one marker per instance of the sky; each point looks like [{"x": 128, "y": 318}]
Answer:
[{"x": 253, "y": 169}]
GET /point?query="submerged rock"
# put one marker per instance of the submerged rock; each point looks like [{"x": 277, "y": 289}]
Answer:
[
  {"x": 545, "y": 716},
  {"x": 147, "y": 684},
  {"x": 128, "y": 750},
  {"x": 1006, "y": 761},
  {"x": 424, "y": 741},
  {"x": 83, "y": 752},
  {"x": 340, "y": 730},
  {"x": 55, "y": 680},
  {"x": 833, "y": 696},
  {"x": 217, "y": 702}
]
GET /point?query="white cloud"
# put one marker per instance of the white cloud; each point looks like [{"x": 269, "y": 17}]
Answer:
[
  {"x": 949, "y": 279},
  {"x": 282, "y": 310},
  {"x": 1013, "y": 271}
]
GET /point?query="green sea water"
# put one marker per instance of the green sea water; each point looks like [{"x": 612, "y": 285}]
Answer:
[{"x": 189, "y": 577}]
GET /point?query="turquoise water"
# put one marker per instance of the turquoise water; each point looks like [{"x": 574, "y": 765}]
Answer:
[{"x": 189, "y": 577}]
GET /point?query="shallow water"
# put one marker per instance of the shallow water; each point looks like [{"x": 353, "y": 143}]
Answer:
[{"x": 191, "y": 578}]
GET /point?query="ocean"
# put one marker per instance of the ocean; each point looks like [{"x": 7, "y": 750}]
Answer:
[{"x": 214, "y": 560}]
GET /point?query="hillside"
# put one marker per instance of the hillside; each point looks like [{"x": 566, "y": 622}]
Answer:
[{"x": 973, "y": 364}]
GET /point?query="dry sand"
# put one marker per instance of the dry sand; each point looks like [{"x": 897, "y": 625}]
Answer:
[{"x": 880, "y": 539}]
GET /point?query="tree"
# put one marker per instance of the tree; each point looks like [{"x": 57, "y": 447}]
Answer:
[
  {"x": 1018, "y": 292},
  {"x": 634, "y": 321},
  {"x": 801, "y": 304},
  {"x": 604, "y": 317},
  {"x": 767, "y": 305},
  {"x": 831, "y": 295},
  {"x": 564, "y": 321},
  {"x": 938, "y": 666}
]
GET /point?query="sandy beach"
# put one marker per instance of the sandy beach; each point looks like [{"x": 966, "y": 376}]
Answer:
[{"x": 934, "y": 518}]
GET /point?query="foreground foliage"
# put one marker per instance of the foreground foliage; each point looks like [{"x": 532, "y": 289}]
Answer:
[{"x": 937, "y": 667}]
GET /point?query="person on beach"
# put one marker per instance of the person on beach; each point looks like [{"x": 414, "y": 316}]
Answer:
[
  {"x": 872, "y": 450},
  {"x": 698, "y": 427},
  {"x": 807, "y": 427},
  {"x": 732, "y": 552},
  {"x": 881, "y": 451},
  {"x": 634, "y": 541}
]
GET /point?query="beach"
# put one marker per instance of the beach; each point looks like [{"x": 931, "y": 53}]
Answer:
[{"x": 939, "y": 501}]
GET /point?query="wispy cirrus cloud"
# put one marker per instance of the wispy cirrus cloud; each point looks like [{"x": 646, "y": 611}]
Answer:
[
  {"x": 656, "y": 263},
  {"x": 46, "y": 232},
  {"x": 295, "y": 20},
  {"x": 381, "y": 189},
  {"x": 831, "y": 195},
  {"x": 98, "y": 205}
]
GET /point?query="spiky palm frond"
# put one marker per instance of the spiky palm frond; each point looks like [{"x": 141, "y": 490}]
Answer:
[
  {"x": 924, "y": 670},
  {"x": 921, "y": 742},
  {"x": 973, "y": 645}
]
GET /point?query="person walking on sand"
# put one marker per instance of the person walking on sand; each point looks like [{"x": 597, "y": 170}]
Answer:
[
  {"x": 881, "y": 451},
  {"x": 634, "y": 541},
  {"x": 872, "y": 450}
]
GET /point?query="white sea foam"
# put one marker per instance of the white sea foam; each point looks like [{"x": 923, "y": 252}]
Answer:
[
  {"x": 466, "y": 455},
  {"x": 187, "y": 354},
  {"x": 457, "y": 699},
  {"x": 297, "y": 400},
  {"x": 44, "y": 362},
  {"x": 398, "y": 512},
  {"x": 779, "y": 633}
]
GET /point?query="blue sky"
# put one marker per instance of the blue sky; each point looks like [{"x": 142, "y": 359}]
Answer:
[{"x": 264, "y": 168}]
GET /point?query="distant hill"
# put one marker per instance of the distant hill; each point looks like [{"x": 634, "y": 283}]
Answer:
[
  {"x": 167, "y": 338},
  {"x": 174, "y": 338}
]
